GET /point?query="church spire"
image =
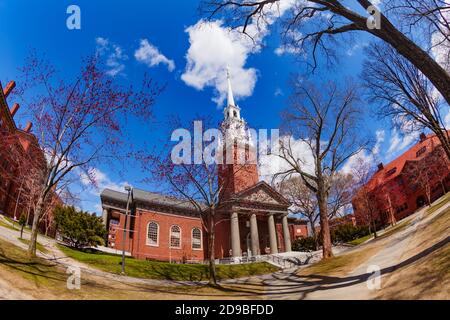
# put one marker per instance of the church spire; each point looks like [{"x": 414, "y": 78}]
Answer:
[{"x": 230, "y": 100}]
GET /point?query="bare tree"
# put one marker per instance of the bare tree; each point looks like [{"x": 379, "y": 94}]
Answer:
[
  {"x": 423, "y": 174},
  {"x": 307, "y": 25},
  {"x": 404, "y": 94},
  {"x": 340, "y": 196},
  {"x": 364, "y": 199},
  {"x": 326, "y": 120},
  {"x": 303, "y": 200},
  {"x": 431, "y": 16},
  {"x": 78, "y": 123}
]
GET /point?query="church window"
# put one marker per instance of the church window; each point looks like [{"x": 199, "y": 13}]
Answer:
[
  {"x": 153, "y": 234},
  {"x": 196, "y": 238},
  {"x": 175, "y": 237},
  {"x": 235, "y": 114}
]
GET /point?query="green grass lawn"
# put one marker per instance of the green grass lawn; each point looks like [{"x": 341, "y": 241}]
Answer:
[
  {"x": 7, "y": 225},
  {"x": 439, "y": 203},
  {"x": 360, "y": 240},
  {"x": 39, "y": 246},
  {"x": 164, "y": 270},
  {"x": 36, "y": 269}
]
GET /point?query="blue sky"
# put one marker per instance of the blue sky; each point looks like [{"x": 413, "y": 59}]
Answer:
[{"x": 160, "y": 38}]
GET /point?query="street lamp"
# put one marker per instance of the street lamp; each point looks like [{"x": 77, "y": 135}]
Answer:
[{"x": 130, "y": 196}]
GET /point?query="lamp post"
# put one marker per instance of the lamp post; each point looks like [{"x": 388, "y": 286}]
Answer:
[{"x": 130, "y": 195}]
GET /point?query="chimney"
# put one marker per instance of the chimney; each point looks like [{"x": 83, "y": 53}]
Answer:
[
  {"x": 28, "y": 127},
  {"x": 423, "y": 137},
  {"x": 11, "y": 85},
  {"x": 380, "y": 166},
  {"x": 14, "y": 109}
]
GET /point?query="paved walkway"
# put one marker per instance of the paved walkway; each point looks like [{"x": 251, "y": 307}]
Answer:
[{"x": 285, "y": 284}]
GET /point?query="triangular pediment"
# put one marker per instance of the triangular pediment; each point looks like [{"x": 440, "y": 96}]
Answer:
[{"x": 262, "y": 193}]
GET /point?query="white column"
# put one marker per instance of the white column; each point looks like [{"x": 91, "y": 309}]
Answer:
[
  {"x": 286, "y": 235},
  {"x": 235, "y": 237},
  {"x": 254, "y": 235},
  {"x": 272, "y": 234}
]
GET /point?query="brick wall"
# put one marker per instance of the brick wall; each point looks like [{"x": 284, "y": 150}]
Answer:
[{"x": 139, "y": 247}]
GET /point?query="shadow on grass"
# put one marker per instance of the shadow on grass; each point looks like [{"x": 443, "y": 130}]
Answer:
[
  {"x": 300, "y": 286},
  {"x": 33, "y": 267}
]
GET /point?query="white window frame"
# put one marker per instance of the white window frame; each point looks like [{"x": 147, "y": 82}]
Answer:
[
  {"x": 147, "y": 242},
  {"x": 192, "y": 238},
  {"x": 170, "y": 236}
]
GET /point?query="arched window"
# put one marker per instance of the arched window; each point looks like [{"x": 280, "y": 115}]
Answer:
[
  {"x": 153, "y": 234},
  {"x": 196, "y": 238},
  {"x": 175, "y": 237}
]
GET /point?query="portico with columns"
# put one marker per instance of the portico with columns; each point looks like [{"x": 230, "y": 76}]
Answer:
[{"x": 258, "y": 223}]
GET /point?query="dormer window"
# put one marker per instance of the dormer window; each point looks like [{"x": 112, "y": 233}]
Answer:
[
  {"x": 421, "y": 151},
  {"x": 391, "y": 172}
]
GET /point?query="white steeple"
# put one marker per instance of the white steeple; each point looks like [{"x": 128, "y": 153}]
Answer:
[
  {"x": 230, "y": 100},
  {"x": 231, "y": 112}
]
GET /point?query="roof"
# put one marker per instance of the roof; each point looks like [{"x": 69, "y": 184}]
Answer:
[
  {"x": 147, "y": 197},
  {"x": 294, "y": 220},
  {"x": 264, "y": 185},
  {"x": 4, "y": 108},
  {"x": 394, "y": 168}
]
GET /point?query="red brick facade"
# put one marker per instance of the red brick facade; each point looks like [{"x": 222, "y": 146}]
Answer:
[
  {"x": 417, "y": 177},
  {"x": 138, "y": 245},
  {"x": 20, "y": 158}
]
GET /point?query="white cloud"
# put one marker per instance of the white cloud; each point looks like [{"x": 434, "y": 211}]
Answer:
[
  {"x": 98, "y": 180},
  {"x": 212, "y": 49},
  {"x": 399, "y": 141},
  {"x": 115, "y": 57},
  {"x": 447, "y": 120},
  {"x": 364, "y": 156},
  {"x": 290, "y": 45},
  {"x": 380, "y": 135},
  {"x": 151, "y": 56},
  {"x": 356, "y": 47},
  {"x": 441, "y": 52},
  {"x": 440, "y": 47},
  {"x": 278, "y": 92},
  {"x": 269, "y": 165}
]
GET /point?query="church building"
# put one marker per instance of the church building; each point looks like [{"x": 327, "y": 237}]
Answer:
[{"x": 253, "y": 222}]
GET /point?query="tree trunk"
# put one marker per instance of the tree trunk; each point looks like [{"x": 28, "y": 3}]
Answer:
[
  {"x": 443, "y": 138},
  {"x": 411, "y": 51},
  {"x": 313, "y": 230},
  {"x": 34, "y": 229},
  {"x": 211, "y": 253},
  {"x": 324, "y": 226},
  {"x": 21, "y": 231},
  {"x": 372, "y": 221}
]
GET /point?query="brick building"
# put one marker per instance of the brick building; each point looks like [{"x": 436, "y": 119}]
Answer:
[
  {"x": 21, "y": 159},
  {"x": 253, "y": 222},
  {"x": 416, "y": 178}
]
